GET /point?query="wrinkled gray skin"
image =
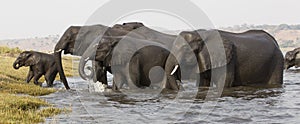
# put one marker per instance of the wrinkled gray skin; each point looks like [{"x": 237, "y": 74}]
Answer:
[
  {"x": 252, "y": 57},
  {"x": 136, "y": 55},
  {"x": 39, "y": 64},
  {"x": 75, "y": 41},
  {"x": 291, "y": 59}
]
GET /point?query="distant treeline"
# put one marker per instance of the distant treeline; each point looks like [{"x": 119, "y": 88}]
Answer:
[{"x": 271, "y": 28}]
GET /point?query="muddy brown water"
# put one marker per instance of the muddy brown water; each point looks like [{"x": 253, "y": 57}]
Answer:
[{"x": 237, "y": 105}]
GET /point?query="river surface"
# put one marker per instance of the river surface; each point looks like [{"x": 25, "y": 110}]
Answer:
[{"x": 236, "y": 105}]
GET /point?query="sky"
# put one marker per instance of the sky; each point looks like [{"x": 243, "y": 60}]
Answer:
[{"x": 38, "y": 18}]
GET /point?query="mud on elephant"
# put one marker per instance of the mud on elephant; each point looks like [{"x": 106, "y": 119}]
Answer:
[{"x": 39, "y": 64}]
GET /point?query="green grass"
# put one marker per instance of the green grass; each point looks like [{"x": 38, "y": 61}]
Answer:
[{"x": 14, "y": 106}]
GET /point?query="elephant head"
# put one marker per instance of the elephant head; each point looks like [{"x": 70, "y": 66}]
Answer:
[
  {"x": 100, "y": 53},
  {"x": 112, "y": 35},
  {"x": 26, "y": 58},
  {"x": 291, "y": 58},
  {"x": 75, "y": 41},
  {"x": 208, "y": 46},
  {"x": 66, "y": 44}
]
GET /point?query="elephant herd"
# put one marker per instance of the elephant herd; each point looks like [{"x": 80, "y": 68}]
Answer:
[{"x": 139, "y": 57}]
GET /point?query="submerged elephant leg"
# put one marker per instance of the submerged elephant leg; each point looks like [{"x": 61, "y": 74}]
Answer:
[
  {"x": 118, "y": 78},
  {"x": 204, "y": 79},
  {"x": 101, "y": 74},
  {"x": 172, "y": 83},
  {"x": 30, "y": 75},
  {"x": 223, "y": 77},
  {"x": 114, "y": 86},
  {"x": 277, "y": 72}
]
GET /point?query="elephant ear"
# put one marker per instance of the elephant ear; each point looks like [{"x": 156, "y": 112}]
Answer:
[
  {"x": 216, "y": 52},
  {"x": 32, "y": 59},
  {"x": 127, "y": 48},
  {"x": 122, "y": 51}
]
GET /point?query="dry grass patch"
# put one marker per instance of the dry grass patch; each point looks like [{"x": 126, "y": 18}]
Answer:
[{"x": 25, "y": 109}]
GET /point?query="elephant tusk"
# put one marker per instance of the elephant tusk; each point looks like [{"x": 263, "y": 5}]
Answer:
[
  {"x": 58, "y": 50},
  {"x": 87, "y": 59},
  {"x": 96, "y": 45},
  {"x": 174, "y": 70}
]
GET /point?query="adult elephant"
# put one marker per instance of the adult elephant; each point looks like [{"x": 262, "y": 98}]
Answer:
[
  {"x": 136, "y": 55},
  {"x": 131, "y": 29},
  {"x": 75, "y": 41},
  {"x": 292, "y": 59},
  {"x": 251, "y": 57}
]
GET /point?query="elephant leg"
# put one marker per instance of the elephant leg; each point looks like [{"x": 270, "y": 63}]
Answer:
[
  {"x": 204, "y": 79},
  {"x": 133, "y": 78},
  {"x": 277, "y": 71},
  {"x": 101, "y": 73},
  {"x": 114, "y": 86},
  {"x": 118, "y": 80},
  {"x": 30, "y": 75},
  {"x": 118, "y": 77},
  {"x": 37, "y": 76},
  {"x": 223, "y": 77},
  {"x": 134, "y": 75},
  {"x": 172, "y": 83},
  {"x": 50, "y": 76}
]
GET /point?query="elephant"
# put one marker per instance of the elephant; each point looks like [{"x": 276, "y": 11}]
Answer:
[
  {"x": 238, "y": 59},
  {"x": 39, "y": 64},
  {"x": 291, "y": 59},
  {"x": 132, "y": 29},
  {"x": 76, "y": 39},
  {"x": 136, "y": 55}
]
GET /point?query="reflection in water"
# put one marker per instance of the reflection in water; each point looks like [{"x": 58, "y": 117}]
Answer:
[{"x": 237, "y": 105}]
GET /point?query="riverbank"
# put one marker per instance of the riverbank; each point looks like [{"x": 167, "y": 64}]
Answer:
[{"x": 19, "y": 101}]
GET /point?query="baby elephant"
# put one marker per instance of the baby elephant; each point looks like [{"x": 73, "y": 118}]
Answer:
[
  {"x": 39, "y": 64},
  {"x": 292, "y": 59}
]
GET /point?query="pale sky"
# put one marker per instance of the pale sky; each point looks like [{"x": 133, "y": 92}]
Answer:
[{"x": 37, "y": 18}]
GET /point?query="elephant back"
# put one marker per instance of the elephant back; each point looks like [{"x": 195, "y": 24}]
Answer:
[{"x": 127, "y": 47}]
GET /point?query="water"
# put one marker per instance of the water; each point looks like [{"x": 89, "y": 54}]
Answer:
[{"x": 237, "y": 105}]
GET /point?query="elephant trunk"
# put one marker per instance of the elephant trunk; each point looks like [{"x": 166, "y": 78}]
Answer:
[
  {"x": 57, "y": 58},
  {"x": 16, "y": 64},
  {"x": 89, "y": 54},
  {"x": 286, "y": 66},
  {"x": 82, "y": 73},
  {"x": 289, "y": 64}
]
